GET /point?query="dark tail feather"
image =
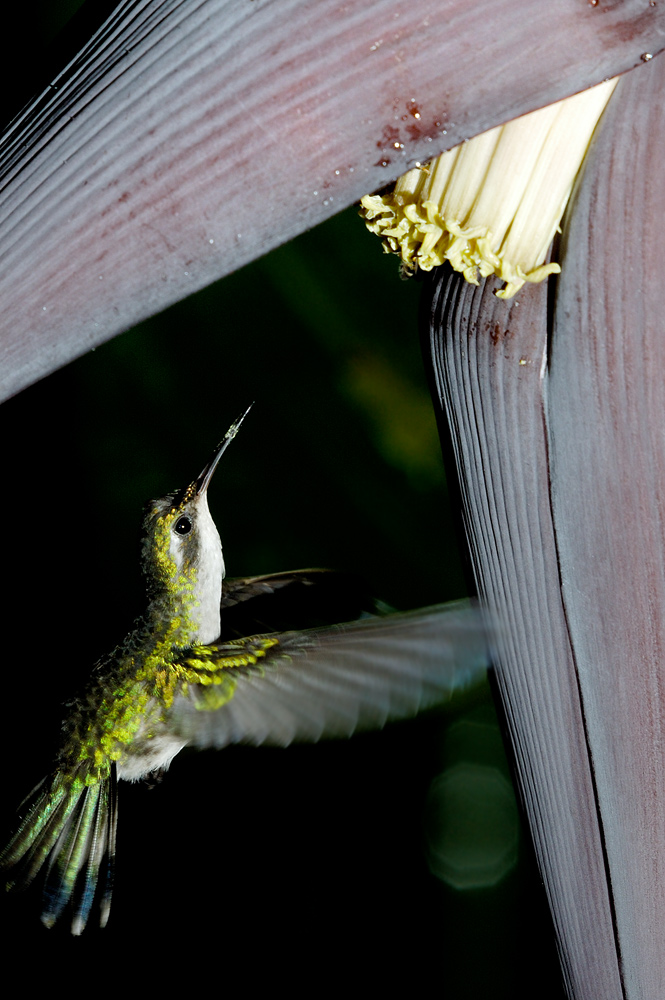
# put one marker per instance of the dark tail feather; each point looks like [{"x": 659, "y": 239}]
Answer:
[
  {"x": 45, "y": 812},
  {"x": 109, "y": 866},
  {"x": 72, "y": 826}
]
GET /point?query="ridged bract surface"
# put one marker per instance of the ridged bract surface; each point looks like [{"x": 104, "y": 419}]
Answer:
[
  {"x": 190, "y": 137},
  {"x": 557, "y": 421}
]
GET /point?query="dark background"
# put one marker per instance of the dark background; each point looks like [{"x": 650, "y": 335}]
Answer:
[{"x": 260, "y": 863}]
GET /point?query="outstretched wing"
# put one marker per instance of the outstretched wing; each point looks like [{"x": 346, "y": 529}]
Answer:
[
  {"x": 298, "y": 599},
  {"x": 327, "y": 682}
]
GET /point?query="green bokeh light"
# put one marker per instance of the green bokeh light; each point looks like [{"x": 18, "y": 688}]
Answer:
[{"x": 473, "y": 828}]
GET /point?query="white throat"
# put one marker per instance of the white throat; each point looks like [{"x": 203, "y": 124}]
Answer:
[
  {"x": 210, "y": 575},
  {"x": 205, "y": 615}
]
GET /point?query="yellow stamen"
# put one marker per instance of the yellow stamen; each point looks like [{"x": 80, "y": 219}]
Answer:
[{"x": 493, "y": 204}]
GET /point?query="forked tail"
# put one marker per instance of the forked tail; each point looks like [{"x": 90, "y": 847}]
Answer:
[{"x": 70, "y": 826}]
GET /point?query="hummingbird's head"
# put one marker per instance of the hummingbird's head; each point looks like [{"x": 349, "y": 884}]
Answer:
[{"x": 182, "y": 556}]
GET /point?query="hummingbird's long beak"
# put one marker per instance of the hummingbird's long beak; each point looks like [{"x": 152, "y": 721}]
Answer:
[{"x": 203, "y": 480}]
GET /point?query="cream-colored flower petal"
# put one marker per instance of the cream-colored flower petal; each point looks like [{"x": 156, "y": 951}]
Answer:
[{"x": 493, "y": 204}]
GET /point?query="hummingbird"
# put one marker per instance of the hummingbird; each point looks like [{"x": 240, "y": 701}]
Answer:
[{"x": 208, "y": 665}]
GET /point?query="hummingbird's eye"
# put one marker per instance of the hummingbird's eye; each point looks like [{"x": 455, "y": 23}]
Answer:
[{"x": 183, "y": 525}]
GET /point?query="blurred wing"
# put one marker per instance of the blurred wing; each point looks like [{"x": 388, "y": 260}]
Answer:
[
  {"x": 300, "y": 599},
  {"x": 328, "y": 682}
]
